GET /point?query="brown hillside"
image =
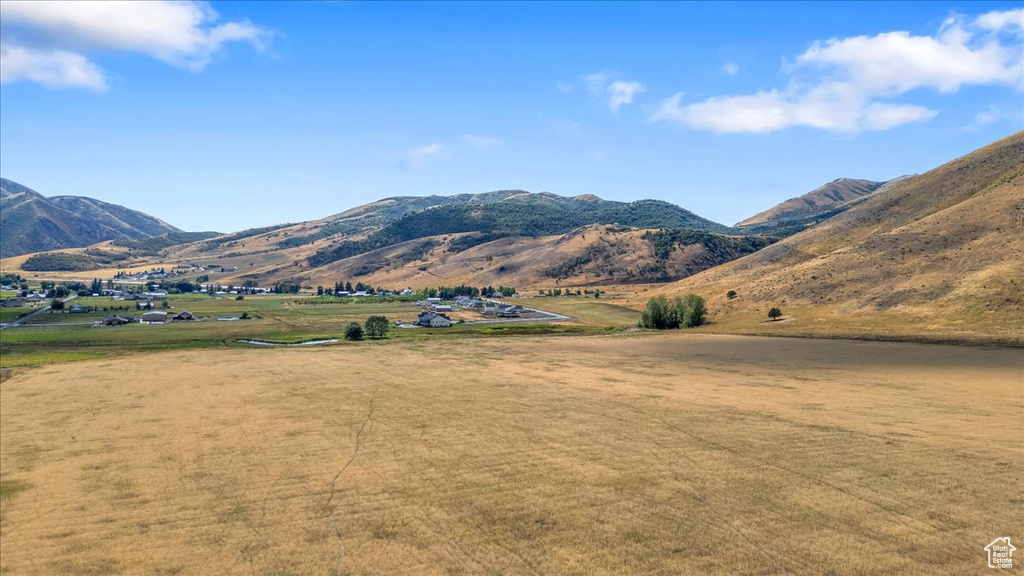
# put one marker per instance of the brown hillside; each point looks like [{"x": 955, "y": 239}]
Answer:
[
  {"x": 827, "y": 196},
  {"x": 616, "y": 255},
  {"x": 941, "y": 253}
]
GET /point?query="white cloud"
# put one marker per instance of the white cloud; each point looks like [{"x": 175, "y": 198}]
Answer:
[
  {"x": 622, "y": 93},
  {"x": 731, "y": 68},
  {"x": 849, "y": 77},
  {"x": 183, "y": 34},
  {"x": 482, "y": 141},
  {"x": 1010, "y": 20},
  {"x": 52, "y": 68},
  {"x": 564, "y": 87},
  {"x": 618, "y": 92},
  {"x": 419, "y": 156},
  {"x": 986, "y": 117},
  {"x": 990, "y": 115}
]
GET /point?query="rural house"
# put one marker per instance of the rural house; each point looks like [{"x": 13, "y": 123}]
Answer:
[
  {"x": 434, "y": 320},
  {"x": 184, "y": 315}
]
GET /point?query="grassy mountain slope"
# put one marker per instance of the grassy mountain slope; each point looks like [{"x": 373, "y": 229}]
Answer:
[
  {"x": 521, "y": 214},
  {"x": 940, "y": 253},
  {"x": 506, "y": 237},
  {"x": 816, "y": 201},
  {"x": 32, "y": 222},
  {"x": 587, "y": 256}
]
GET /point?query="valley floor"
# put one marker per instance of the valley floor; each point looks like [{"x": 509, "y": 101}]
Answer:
[{"x": 627, "y": 453}]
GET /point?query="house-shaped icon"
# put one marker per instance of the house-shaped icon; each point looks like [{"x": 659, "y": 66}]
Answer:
[{"x": 1000, "y": 553}]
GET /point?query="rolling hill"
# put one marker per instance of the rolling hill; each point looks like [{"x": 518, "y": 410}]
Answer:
[
  {"x": 937, "y": 254},
  {"x": 800, "y": 213},
  {"x": 502, "y": 237},
  {"x": 32, "y": 222}
]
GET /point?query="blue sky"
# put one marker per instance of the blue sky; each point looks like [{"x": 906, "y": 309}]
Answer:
[{"x": 231, "y": 115}]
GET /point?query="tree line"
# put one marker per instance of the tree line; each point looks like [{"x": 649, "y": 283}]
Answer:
[{"x": 661, "y": 313}]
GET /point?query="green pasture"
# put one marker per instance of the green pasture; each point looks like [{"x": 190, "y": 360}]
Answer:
[
  {"x": 61, "y": 336},
  {"x": 587, "y": 310}
]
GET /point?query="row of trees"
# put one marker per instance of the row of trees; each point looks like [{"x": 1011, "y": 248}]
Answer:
[
  {"x": 376, "y": 327},
  {"x": 569, "y": 292},
  {"x": 685, "y": 312}
]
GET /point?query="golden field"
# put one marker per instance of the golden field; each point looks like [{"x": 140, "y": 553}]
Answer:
[{"x": 627, "y": 453}]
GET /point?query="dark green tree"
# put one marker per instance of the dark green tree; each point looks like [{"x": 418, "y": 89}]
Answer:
[
  {"x": 377, "y": 327},
  {"x": 354, "y": 331},
  {"x": 57, "y": 304},
  {"x": 730, "y": 294},
  {"x": 774, "y": 314}
]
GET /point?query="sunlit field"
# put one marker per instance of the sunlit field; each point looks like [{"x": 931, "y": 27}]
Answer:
[{"x": 600, "y": 454}]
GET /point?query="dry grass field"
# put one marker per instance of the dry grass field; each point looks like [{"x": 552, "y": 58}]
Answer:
[{"x": 624, "y": 454}]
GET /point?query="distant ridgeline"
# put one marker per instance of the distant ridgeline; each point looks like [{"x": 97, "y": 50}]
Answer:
[
  {"x": 532, "y": 215},
  {"x": 32, "y": 222}
]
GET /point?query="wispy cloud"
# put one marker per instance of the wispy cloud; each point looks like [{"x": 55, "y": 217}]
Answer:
[
  {"x": 46, "y": 41},
  {"x": 50, "y": 68},
  {"x": 419, "y": 156},
  {"x": 731, "y": 68},
  {"x": 565, "y": 127},
  {"x": 622, "y": 93},
  {"x": 602, "y": 85},
  {"x": 482, "y": 141},
  {"x": 851, "y": 79}
]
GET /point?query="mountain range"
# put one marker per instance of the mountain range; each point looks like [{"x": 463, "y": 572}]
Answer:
[
  {"x": 31, "y": 222},
  {"x": 510, "y": 237}
]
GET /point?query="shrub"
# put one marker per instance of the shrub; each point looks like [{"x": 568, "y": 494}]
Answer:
[
  {"x": 354, "y": 331},
  {"x": 774, "y": 314},
  {"x": 730, "y": 294}
]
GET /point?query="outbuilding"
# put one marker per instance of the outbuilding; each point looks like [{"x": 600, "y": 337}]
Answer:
[{"x": 154, "y": 317}]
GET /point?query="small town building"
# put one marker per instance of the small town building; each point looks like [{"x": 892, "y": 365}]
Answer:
[
  {"x": 13, "y": 303},
  {"x": 184, "y": 315}
]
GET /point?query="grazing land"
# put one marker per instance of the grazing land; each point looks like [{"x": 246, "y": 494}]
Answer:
[{"x": 626, "y": 453}]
